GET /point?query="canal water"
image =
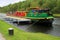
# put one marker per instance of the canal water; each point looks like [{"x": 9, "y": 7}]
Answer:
[{"x": 38, "y": 28}]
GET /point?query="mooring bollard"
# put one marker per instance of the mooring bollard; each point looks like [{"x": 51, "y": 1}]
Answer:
[{"x": 11, "y": 31}]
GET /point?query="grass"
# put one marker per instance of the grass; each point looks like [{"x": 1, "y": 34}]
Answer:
[
  {"x": 21, "y": 35},
  {"x": 56, "y": 15}
]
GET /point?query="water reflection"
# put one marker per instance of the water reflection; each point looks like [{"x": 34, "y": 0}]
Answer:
[
  {"x": 53, "y": 29},
  {"x": 40, "y": 28}
]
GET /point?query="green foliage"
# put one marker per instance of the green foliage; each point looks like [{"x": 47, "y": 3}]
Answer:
[{"x": 54, "y": 5}]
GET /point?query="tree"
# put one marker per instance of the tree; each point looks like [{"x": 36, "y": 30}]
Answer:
[{"x": 54, "y": 5}]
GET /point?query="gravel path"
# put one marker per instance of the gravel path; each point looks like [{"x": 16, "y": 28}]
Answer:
[{"x": 1, "y": 37}]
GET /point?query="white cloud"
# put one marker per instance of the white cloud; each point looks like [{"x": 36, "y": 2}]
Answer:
[{"x": 6, "y": 2}]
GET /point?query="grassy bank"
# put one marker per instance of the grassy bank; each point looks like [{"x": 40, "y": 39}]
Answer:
[
  {"x": 21, "y": 35},
  {"x": 56, "y": 15}
]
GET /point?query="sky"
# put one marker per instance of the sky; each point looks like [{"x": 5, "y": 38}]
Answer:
[{"x": 7, "y": 2}]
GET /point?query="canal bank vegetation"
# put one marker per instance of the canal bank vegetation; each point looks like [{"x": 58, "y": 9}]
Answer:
[
  {"x": 21, "y": 35},
  {"x": 56, "y": 15},
  {"x": 54, "y": 5}
]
